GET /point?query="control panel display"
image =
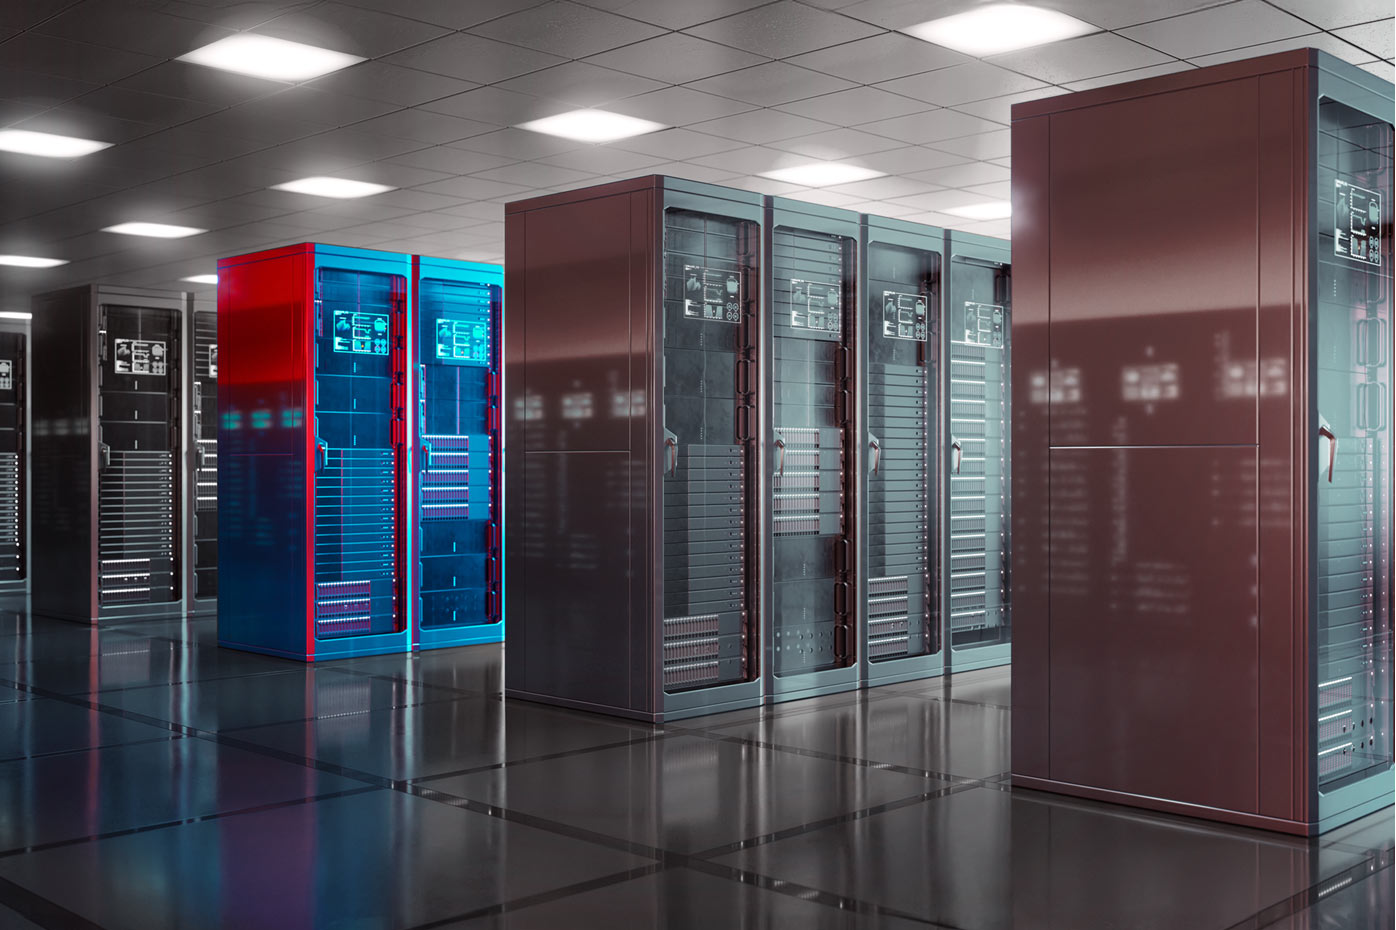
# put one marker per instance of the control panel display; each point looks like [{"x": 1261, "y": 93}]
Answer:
[
  {"x": 981, "y": 324},
  {"x": 462, "y": 341},
  {"x": 815, "y": 306},
  {"x": 1356, "y": 223},
  {"x": 7, "y": 374},
  {"x": 361, "y": 333},
  {"x": 712, "y": 294},
  {"x": 904, "y": 316},
  {"x": 140, "y": 357}
]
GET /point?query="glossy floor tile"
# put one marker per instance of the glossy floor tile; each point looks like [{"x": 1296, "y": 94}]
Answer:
[{"x": 149, "y": 779}]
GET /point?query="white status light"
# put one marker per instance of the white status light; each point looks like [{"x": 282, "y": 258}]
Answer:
[
  {"x": 822, "y": 174},
  {"x": 1000, "y": 27},
  {"x": 31, "y": 261},
  {"x": 990, "y": 210},
  {"x": 592, "y": 126},
  {"x": 339, "y": 188},
  {"x": 273, "y": 59},
  {"x": 201, "y": 279},
  {"x": 47, "y": 144},
  {"x": 154, "y": 230}
]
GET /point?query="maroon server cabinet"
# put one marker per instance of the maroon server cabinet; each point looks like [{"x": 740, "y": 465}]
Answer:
[{"x": 1202, "y": 443}]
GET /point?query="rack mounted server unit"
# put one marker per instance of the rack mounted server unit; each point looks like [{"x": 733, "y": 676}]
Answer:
[
  {"x": 976, "y": 463},
  {"x": 202, "y": 338},
  {"x": 899, "y": 486},
  {"x": 312, "y": 458},
  {"x": 456, "y": 532},
  {"x": 813, "y": 287},
  {"x": 14, "y": 456},
  {"x": 631, "y": 356},
  {"x": 109, "y": 430},
  {"x": 1202, "y": 494}
]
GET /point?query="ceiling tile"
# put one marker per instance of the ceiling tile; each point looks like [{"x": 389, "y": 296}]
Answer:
[
  {"x": 975, "y": 80},
  {"x": 1378, "y": 37},
  {"x": 678, "y": 106},
  {"x": 472, "y": 188},
  {"x": 376, "y": 80},
  {"x": 351, "y": 29},
  {"x": 836, "y": 143},
  {"x": 676, "y": 59},
  {"x": 1000, "y": 109},
  {"x": 824, "y": 197},
  {"x": 424, "y": 126},
  {"x": 155, "y": 109},
  {"x": 995, "y": 190},
  {"x": 73, "y": 60},
  {"x": 451, "y": 13},
  {"x": 450, "y": 160},
  {"x": 677, "y": 14},
  {"x": 70, "y": 119},
  {"x": 939, "y": 200},
  {"x": 123, "y": 25},
  {"x": 883, "y": 188},
  {"x": 567, "y": 29},
  {"x": 898, "y": 14},
  {"x": 192, "y": 82},
  {"x": 913, "y": 158},
  {"x": 1125, "y": 76},
  {"x": 1078, "y": 59},
  {"x": 492, "y": 105},
  {"x": 1245, "y": 22},
  {"x": 782, "y": 29},
  {"x": 1113, "y": 14},
  {"x": 930, "y": 126},
  {"x": 677, "y": 144},
  {"x": 536, "y": 174},
  {"x": 304, "y": 102},
  {"x": 1382, "y": 69},
  {"x": 856, "y": 106},
  {"x": 21, "y": 14},
  {"x": 764, "y": 185},
  {"x": 41, "y": 90},
  {"x": 761, "y": 126},
  {"x": 965, "y": 175},
  {"x": 604, "y": 159},
  {"x": 752, "y": 159},
  {"x": 984, "y": 145},
  {"x": 473, "y": 58},
  {"x": 691, "y": 172},
  {"x": 1330, "y": 14},
  {"x": 770, "y": 84},
  {"x": 580, "y": 84},
  {"x": 1319, "y": 40},
  {"x": 881, "y": 208},
  {"x": 518, "y": 144},
  {"x": 879, "y": 58}
]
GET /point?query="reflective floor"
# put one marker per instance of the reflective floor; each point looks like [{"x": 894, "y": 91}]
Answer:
[{"x": 151, "y": 780}]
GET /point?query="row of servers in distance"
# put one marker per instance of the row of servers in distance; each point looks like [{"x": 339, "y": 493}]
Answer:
[
  {"x": 359, "y": 469},
  {"x": 757, "y": 449}
]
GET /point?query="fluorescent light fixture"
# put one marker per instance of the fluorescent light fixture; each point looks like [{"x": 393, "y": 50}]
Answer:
[
  {"x": 16, "y": 315},
  {"x": 273, "y": 59},
  {"x": 340, "y": 188},
  {"x": 201, "y": 279},
  {"x": 30, "y": 261},
  {"x": 989, "y": 210},
  {"x": 592, "y": 126},
  {"x": 154, "y": 230},
  {"x": 1000, "y": 27},
  {"x": 48, "y": 144},
  {"x": 822, "y": 174}
]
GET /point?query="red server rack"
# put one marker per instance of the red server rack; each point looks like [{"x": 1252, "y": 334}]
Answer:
[{"x": 1202, "y": 448}]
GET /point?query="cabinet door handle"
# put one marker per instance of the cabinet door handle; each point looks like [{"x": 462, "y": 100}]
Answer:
[
  {"x": 671, "y": 448},
  {"x": 957, "y": 454},
  {"x": 1327, "y": 433},
  {"x": 322, "y": 455},
  {"x": 875, "y": 450},
  {"x": 780, "y": 460}
]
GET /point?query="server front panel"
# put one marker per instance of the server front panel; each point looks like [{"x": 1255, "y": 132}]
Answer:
[
  {"x": 138, "y": 448},
  {"x": 204, "y": 448},
  {"x": 358, "y": 452},
  {"x": 977, "y": 321},
  {"x": 13, "y": 422},
  {"x": 901, "y": 394},
  {"x": 811, "y": 318},
  {"x": 708, "y": 417},
  {"x": 457, "y": 400}
]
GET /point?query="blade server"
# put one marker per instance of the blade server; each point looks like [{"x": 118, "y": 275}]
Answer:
[
  {"x": 109, "y": 430},
  {"x": 14, "y": 457},
  {"x": 1204, "y": 516},
  {"x": 899, "y": 333},
  {"x": 202, "y": 337},
  {"x": 632, "y": 483},
  {"x": 813, "y": 284},
  {"x": 456, "y": 529},
  {"x": 312, "y": 464}
]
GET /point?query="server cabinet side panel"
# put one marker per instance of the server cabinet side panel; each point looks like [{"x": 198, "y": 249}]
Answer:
[
  {"x": 264, "y": 310},
  {"x": 1028, "y": 586},
  {"x": 572, "y": 556},
  {"x": 64, "y": 441},
  {"x": 632, "y": 403},
  {"x": 203, "y": 451}
]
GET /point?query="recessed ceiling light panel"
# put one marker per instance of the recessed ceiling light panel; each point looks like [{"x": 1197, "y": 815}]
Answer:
[
  {"x": 340, "y": 188},
  {"x": 30, "y": 261},
  {"x": 989, "y": 210},
  {"x": 823, "y": 173},
  {"x": 1000, "y": 27},
  {"x": 592, "y": 126},
  {"x": 15, "y": 315},
  {"x": 201, "y": 279},
  {"x": 266, "y": 57},
  {"x": 154, "y": 230},
  {"x": 47, "y": 144}
]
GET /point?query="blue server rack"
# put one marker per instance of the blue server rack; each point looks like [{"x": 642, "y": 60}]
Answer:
[{"x": 455, "y": 531}]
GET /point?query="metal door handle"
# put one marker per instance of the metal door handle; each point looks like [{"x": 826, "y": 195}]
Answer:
[
  {"x": 322, "y": 455},
  {"x": 957, "y": 454},
  {"x": 875, "y": 448},
  {"x": 671, "y": 448},
  {"x": 104, "y": 451},
  {"x": 426, "y": 456},
  {"x": 1327, "y": 433},
  {"x": 780, "y": 462}
]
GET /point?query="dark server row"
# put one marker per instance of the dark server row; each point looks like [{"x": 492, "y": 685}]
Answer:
[{"x": 757, "y": 449}]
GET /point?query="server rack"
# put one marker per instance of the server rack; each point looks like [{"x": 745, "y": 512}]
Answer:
[
  {"x": 109, "y": 428},
  {"x": 312, "y": 464},
  {"x": 899, "y": 336},
  {"x": 201, "y": 338},
  {"x": 456, "y": 531},
  {"x": 977, "y": 551},
  {"x": 813, "y": 287},
  {"x": 1203, "y": 497},
  {"x": 14, "y": 457},
  {"x": 632, "y": 478}
]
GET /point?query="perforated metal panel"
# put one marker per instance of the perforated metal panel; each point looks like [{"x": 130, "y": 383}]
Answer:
[{"x": 204, "y": 438}]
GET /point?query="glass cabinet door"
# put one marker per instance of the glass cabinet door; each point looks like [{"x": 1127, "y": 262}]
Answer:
[{"x": 1351, "y": 447}]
